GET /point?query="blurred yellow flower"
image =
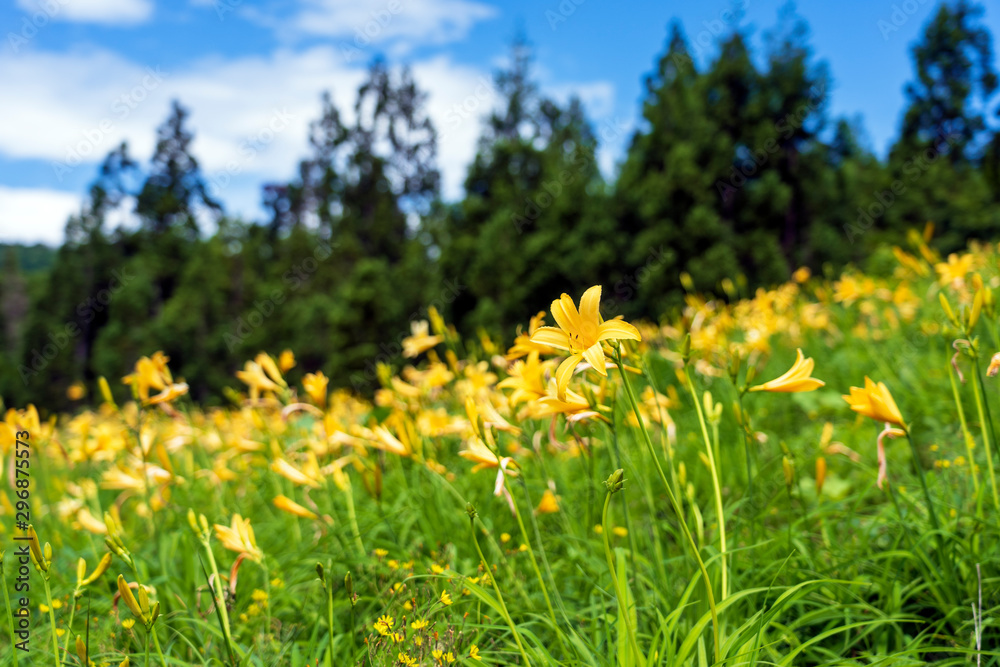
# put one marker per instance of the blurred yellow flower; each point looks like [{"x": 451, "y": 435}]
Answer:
[
  {"x": 420, "y": 340},
  {"x": 548, "y": 504},
  {"x": 76, "y": 391},
  {"x": 286, "y": 361},
  {"x": 315, "y": 385},
  {"x": 288, "y": 505},
  {"x": 239, "y": 537}
]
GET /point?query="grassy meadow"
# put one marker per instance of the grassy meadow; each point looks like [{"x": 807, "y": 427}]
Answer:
[{"x": 805, "y": 475}]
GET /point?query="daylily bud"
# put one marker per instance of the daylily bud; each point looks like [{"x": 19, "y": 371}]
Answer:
[
  {"x": 947, "y": 309},
  {"x": 319, "y": 572},
  {"x": 154, "y": 614},
  {"x": 349, "y": 584},
  {"x": 81, "y": 571},
  {"x": 102, "y": 383},
  {"x": 820, "y": 474},
  {"x": 788, "y": 469},
  {"x": 471, "y": 511},
  {"x": 686, "y": 348},
  {"x": 102, "y": 567},
  {"x": 977, "y": 307},
  {"x": 143, "y": 600},
  {"x": 128, "y": 598},
  {"x": 192, "y": 520},
  {"x": 615, "y": 481},
  {"x": 124, "y": 663},
  {"x": 81, "y": 650}
]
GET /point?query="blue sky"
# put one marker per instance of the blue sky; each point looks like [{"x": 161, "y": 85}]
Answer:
[{"x": 80, "y": 76}]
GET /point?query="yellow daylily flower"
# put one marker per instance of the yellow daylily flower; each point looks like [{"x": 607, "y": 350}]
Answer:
[
  {"x": 239, "y": 537},
  {"x": 286, "y": 361},
  {"x": 876, "y": 402},
  {"x": 548, "y": 504},
  {"x": 253, "y": 376},
  {"x": 315, "y": 385},
  {"x": 420, "y": 341},
  {"x": 581, "y": 332},
  {"x": 796, "y": 379}
]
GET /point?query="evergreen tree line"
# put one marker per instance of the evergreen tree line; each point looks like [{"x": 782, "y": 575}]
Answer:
[{"x": 736, "y": 176}]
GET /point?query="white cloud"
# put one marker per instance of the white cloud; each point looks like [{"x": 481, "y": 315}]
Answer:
[
  {"x": 363, "y": 24},
  {"x": 35, "y": 215},
  {"x": 250, "y": 115},
  {"x": 108, "y": 12}
]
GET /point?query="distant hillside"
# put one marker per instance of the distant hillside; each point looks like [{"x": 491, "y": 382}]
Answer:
[{"x": 32, "y": 259}]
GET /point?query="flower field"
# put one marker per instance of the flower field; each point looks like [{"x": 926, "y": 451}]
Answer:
[{"x": 800, "y": 476}]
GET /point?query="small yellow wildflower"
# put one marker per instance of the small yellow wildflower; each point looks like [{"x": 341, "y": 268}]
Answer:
[
  {"x": 620, "y": 531},
  {"x": 445, "y": 598},
  {"x": 474, "y": 652},
  {"x": 419, "y": 624}
]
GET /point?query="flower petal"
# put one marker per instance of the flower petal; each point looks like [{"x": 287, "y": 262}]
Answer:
[
  {"x": 565, "y": 372},
  {"x": 551, "y": 336},
  {"x": 617, "y": 330},
  {"x": 590, "y": 305},
  {"x": 595, "y": 357}
]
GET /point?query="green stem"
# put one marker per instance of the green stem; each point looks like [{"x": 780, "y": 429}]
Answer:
[
  {"x": 10, "y": 617},
  {"x": 353, "y": 518},
  {"x": 496, "y": 589},
  {"x": 69, "y": 628},
  {"x": 159, "y": 652},
  {"x": 52, "y": 617},
  {"x": 969, "y": 442},
  {"x": 147, "y": 647},
  {"x": 923, "y": 482},
  {"x": 673, "y": 502},
  {"x": 715, "y": 483},
  {"x": 329, "y": 621},
  {"x": 745, "y": 427},
  {"x": 989, "y": 437},
  {"x": 619, "y": 593},
  {"x": 534, "y": 565},
  {"x": 220, "y": 602}
]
